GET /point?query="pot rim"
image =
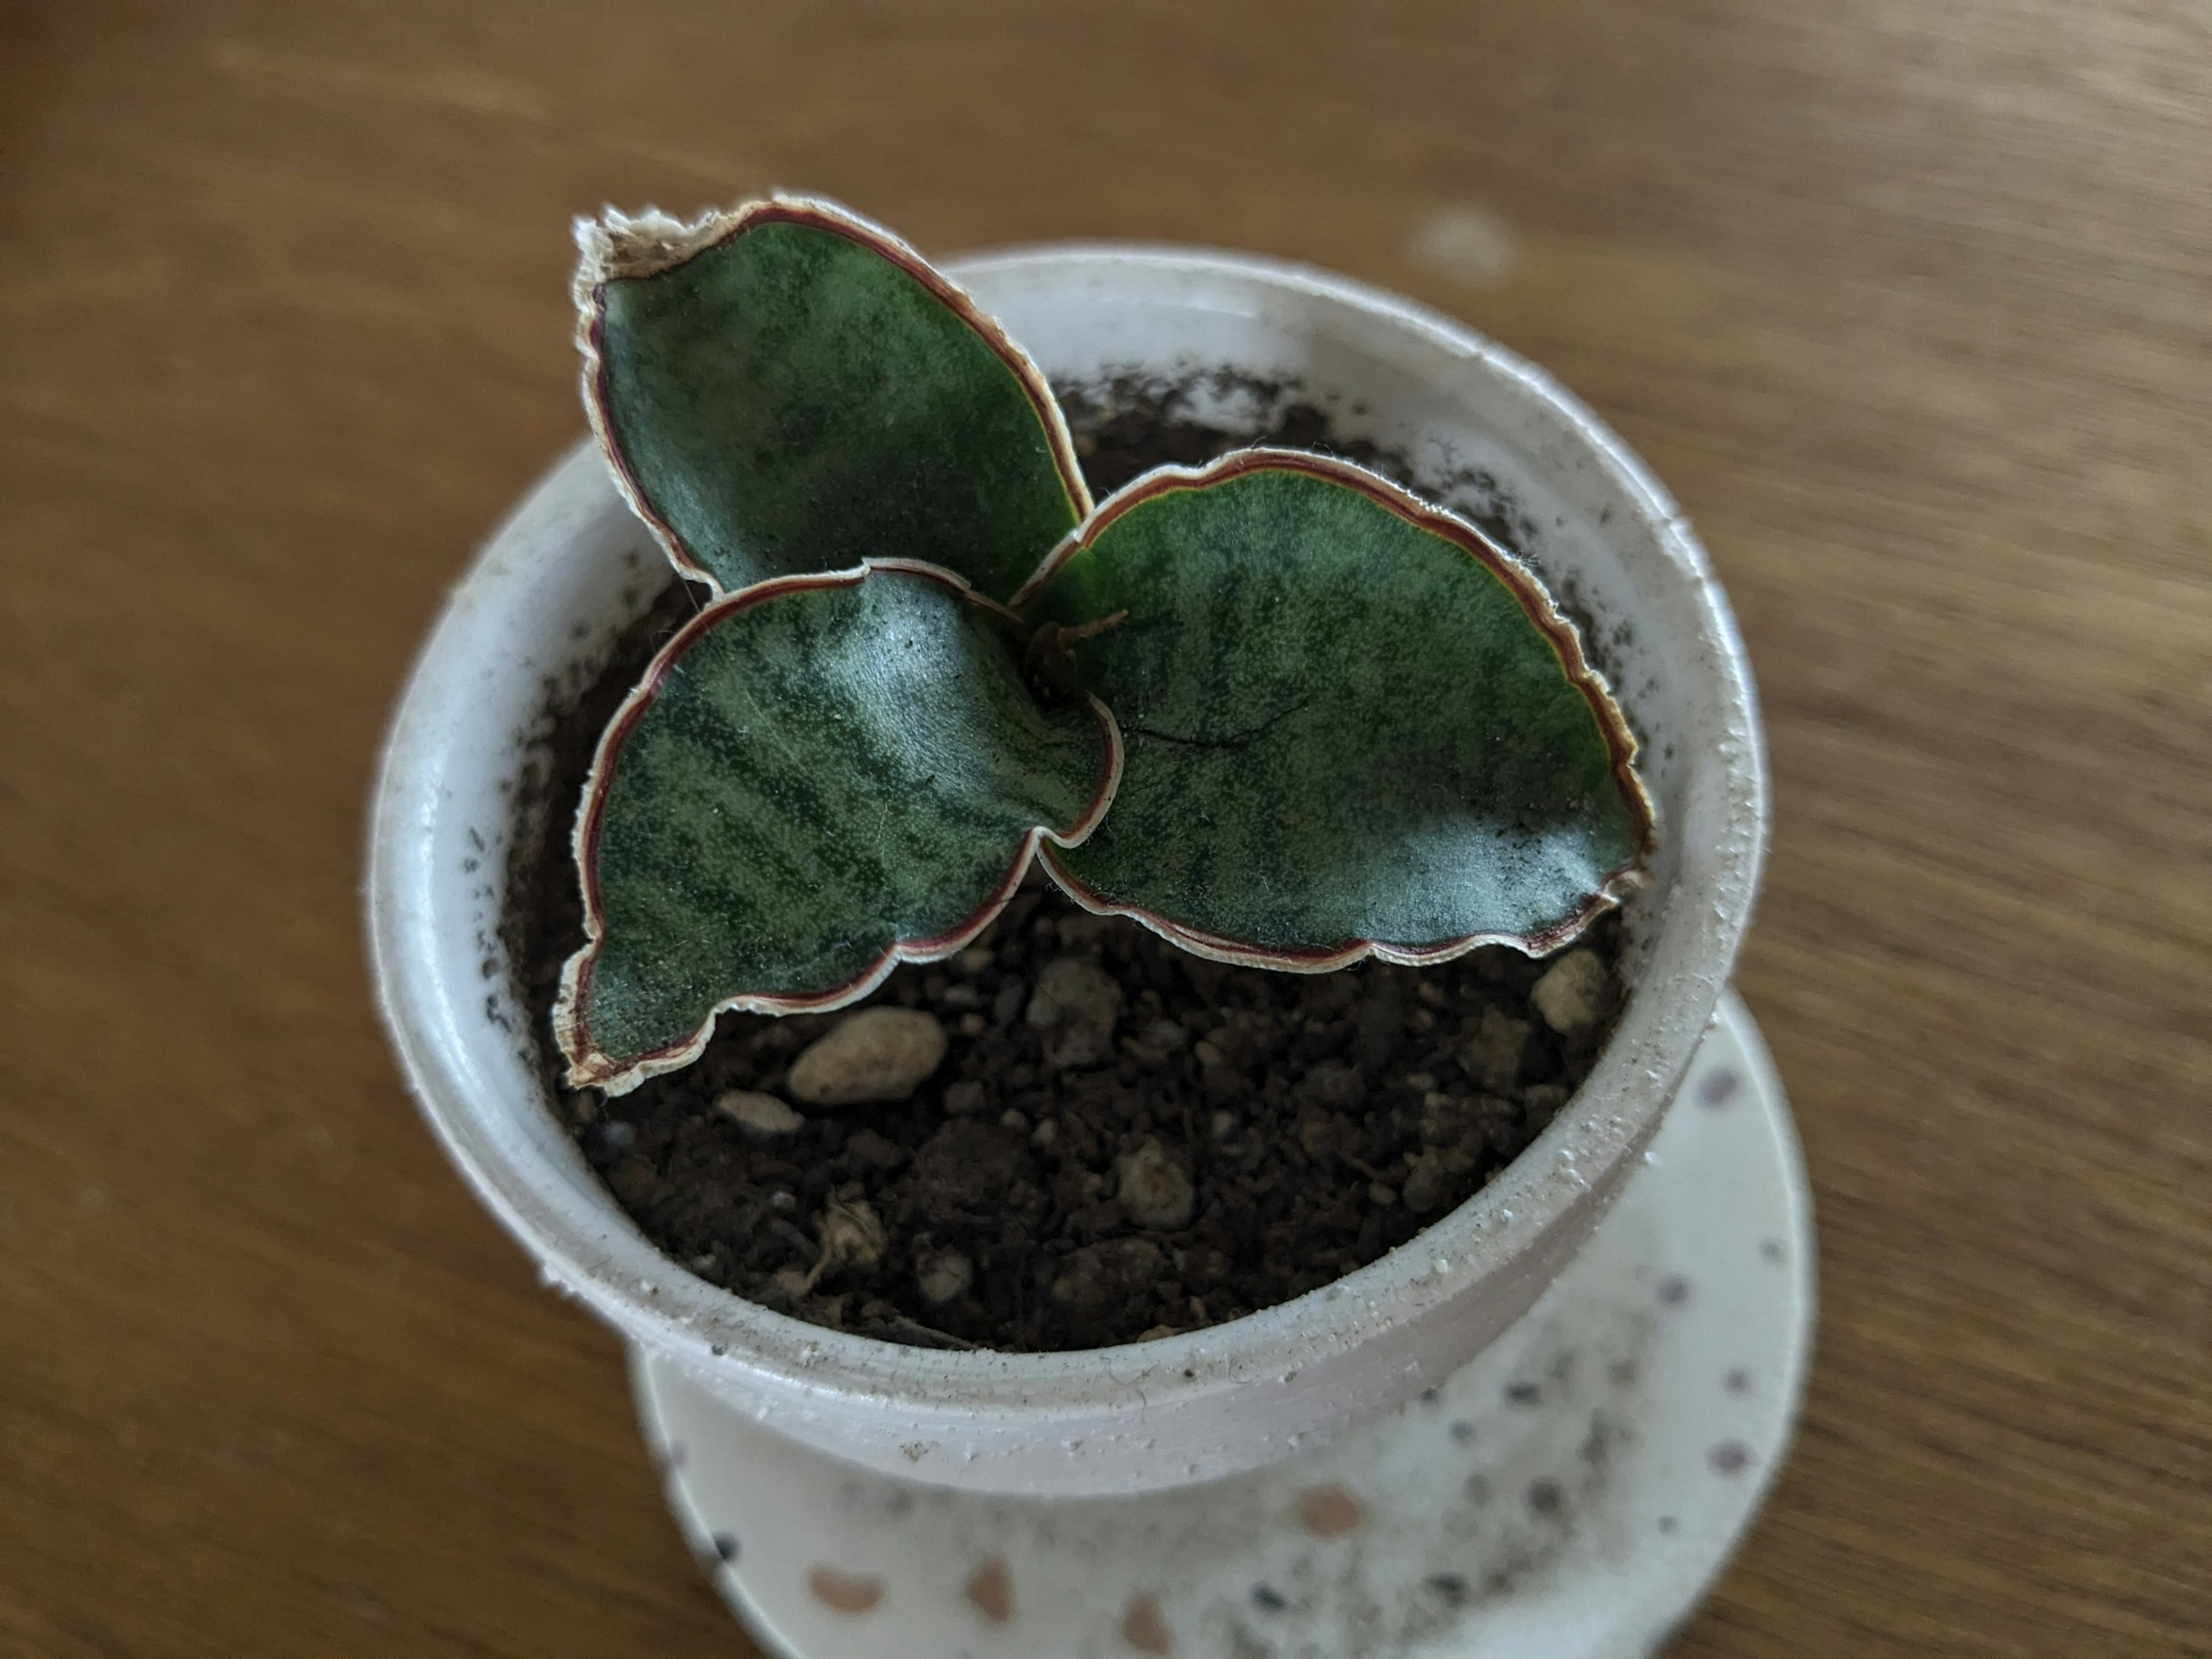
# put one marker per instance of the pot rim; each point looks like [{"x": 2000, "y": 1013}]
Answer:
[{"x": 649, "y": 1297}]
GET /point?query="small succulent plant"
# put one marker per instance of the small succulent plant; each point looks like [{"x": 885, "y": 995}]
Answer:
[{"x": 1275, "y": 708}]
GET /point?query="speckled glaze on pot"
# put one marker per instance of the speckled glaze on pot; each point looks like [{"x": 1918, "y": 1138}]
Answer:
[{"x": 1481, "y": 430}]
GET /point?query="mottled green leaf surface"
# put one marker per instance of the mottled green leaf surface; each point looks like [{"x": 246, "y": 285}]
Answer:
[
  {"x": 1340, "y": 724},
  {"x": 822, "y": 774},
  {"x": 796, "y": 398}
]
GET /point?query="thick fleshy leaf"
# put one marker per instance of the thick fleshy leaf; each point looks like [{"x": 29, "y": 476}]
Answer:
[
  {"x": 818, "y": 778},
  {"x": 1350, "y": 722},
  {"x": 787, "y": 388}
]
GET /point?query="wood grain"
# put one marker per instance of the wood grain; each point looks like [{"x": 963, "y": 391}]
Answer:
[{"x": 1910, "y": 305}]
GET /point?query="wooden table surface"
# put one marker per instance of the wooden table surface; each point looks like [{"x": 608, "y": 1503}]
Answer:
[{"x": 1909, "y": 300}]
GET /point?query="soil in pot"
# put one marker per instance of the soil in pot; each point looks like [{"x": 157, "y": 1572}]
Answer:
[{"x": 1120, "y": 1140}]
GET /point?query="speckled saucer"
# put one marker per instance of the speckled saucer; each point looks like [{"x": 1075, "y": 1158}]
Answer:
[{"x": 1568, "y": 1494}]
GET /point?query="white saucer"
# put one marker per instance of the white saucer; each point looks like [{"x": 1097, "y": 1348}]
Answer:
[{"x": 1568, "y": 1494}]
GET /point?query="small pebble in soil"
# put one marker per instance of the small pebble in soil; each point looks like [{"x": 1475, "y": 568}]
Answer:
[
  {"x": 944, "y": 1276},
  {"x": 1153, "y": 1192},
  {"x": 1571, "y": 995},
  {"x": 763, "y": 1116},
  {"x": 877, "y": 1055},
  {"x": 852, "y": 1236},
  {"x": 1493, "y": 1056},
  {"x": 1075, "y": 1005}
]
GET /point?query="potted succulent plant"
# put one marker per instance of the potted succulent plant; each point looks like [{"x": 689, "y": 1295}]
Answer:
[{"x": 1276, "y": 710}]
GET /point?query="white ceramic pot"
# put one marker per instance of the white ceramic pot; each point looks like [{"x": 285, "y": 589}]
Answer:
[{"x": 539, "y": 610}]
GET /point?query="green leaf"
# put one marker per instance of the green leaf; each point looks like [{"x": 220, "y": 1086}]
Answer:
[
  {"x": 1349, "y": 720},
  {"x": 818, "y": 778},
  {"x": 788, "y": 388}
]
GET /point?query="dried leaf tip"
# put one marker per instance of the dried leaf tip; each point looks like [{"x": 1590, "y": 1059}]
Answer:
[{"x": 616, "y": 244}]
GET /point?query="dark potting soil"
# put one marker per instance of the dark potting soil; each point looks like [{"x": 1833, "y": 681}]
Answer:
[{"x": 1134, "y": 1143}]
